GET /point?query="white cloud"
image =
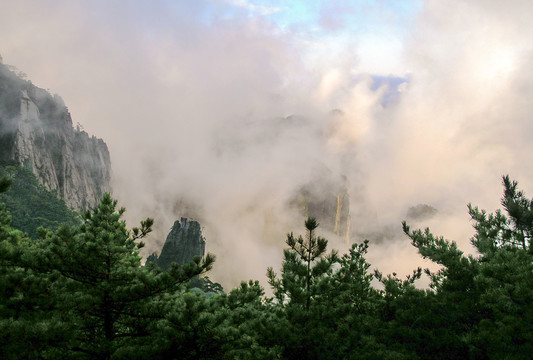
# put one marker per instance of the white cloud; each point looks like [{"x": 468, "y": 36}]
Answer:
[
  {"x": 259, "y": 9},
  {"x": 193, "y": 112}
]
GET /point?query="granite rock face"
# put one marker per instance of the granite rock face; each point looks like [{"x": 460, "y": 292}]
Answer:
[
  {"x": 183, "y": 243},
  {"x": 326, "y": 199},
  {"x": 36, "y": 131}
]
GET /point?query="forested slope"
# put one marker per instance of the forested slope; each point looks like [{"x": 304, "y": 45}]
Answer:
[{"x": 31, "y": 205}]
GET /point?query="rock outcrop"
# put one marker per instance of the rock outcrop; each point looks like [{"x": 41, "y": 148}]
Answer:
[
  {"x": 183, "y": 243},
  {"x": 327, "y": 200},
  {"x": 36, "y": 131}
]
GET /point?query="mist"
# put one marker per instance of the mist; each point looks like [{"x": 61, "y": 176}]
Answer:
[{"x": 216, "y": 112}]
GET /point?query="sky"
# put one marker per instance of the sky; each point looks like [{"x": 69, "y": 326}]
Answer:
[{"x": 223, "y": 110}]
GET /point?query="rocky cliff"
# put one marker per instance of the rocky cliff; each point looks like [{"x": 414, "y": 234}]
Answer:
[
  {"x": 184, "y": 242},
  {"x": 36, "y": 131}
]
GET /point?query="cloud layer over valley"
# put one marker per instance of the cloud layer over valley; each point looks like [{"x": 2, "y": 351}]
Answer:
[{"x": 217, "y": 110}]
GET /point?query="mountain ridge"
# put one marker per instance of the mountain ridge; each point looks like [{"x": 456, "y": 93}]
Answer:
[{"x": 36, "y": 132}]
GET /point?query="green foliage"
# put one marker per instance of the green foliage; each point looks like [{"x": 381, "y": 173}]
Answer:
[
  {"x": 303, "y": 267},
  {"x": 228, "y": 326},
  {"x": 31, "y": 205},
  {"x": 481, "y": 306},
  {"x": 80, "y": 292},
  {"x": 27, "y": 327},
  {"x": 326, "y": 307},
  {"x": 94, "y": 287},
  {"x": 504, "y": 282},
  {"x": 204, "y": 286}
]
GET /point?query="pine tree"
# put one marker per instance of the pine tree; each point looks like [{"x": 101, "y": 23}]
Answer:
[
  {"x": 504, "y": 280},
  {"x": 28, "y": 325},
  {"x": 298, "y": 293},
  {"x": 106, "y": 297},
  {"x": 237, "y": 325},
  {"x": 481, "y": 305},
  {"x": 303, "y": 266}
]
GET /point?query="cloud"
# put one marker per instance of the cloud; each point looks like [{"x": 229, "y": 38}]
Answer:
[
  {"x": 221, "y": 116},
  {"x": 260, "y": 9}
]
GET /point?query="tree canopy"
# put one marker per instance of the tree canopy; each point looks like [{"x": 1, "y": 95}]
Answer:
[{"x": 79, "y": 291}]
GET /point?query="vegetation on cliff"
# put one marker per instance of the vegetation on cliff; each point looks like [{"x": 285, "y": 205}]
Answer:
[{"x": 31, "y": 205}]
